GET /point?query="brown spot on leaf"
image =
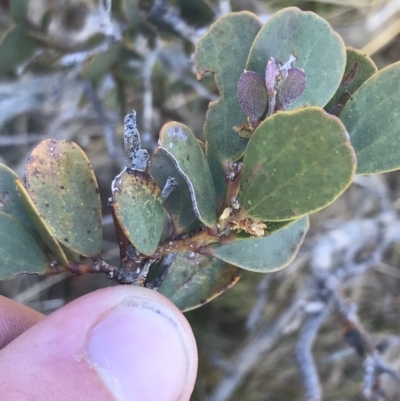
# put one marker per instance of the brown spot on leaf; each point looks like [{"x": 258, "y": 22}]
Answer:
[{"x": 350, "y": 75}]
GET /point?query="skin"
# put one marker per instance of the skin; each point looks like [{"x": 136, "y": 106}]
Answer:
[{"x": 116, "y": 344}]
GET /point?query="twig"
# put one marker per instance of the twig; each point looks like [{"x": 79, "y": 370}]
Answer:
[
  {"x": 114, "y": 151},
  {"x": 373, "y": 368},
  {"x": 147, "y": 73},
  {"x": 20, "y": 139},
  {"x": 163, "y": 14},
  {"x": 305, "y": 360},
  {"x": 259, "y": 305},
  {"x": 255, "y": 349},
  {"x": 36, "y": 289}
]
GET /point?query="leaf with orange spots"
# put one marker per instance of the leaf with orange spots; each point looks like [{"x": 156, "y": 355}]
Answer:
[
  {"x": 139, "y": 208},
  {"x": 41, "y": 225},
  {"x": 62, "y": 185}
]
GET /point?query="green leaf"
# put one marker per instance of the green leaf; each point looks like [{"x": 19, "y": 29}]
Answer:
[
  {"x": 16, "y": 48},
  {"x": 223, "y": 51},
  {"x": 179, "y": 202},
  {"x": 139, "y": 208},
  {"x": 19, "y": 251},
  {"x": 41, "y": 225},
  {"x": 218, "y": 176},
  {"x": 296, "y": 163},
  {"x": 318, "y": 50},
  {"x": 196, "y": 12},
  {"x": 194, "y": 280},
  {"x": 183, "y": 147},
  {"x": 19, "y": 10},
  {"x": 100, "y": 64},
  {"x": 63, "y": 187},
  {"x": 10, "y": 201},
  {"x": 267, "y": 254},
  {"x": 373, "y": 122},
  {"x": 359, "y": 68}
]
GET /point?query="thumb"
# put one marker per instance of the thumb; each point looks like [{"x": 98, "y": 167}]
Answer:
[{"x": 116, "y": 344}]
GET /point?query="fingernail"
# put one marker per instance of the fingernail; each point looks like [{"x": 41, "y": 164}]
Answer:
[{"x": 140, "y": 351}]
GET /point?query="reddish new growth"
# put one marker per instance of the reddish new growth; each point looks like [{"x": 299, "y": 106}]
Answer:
[{"x": 282, "y": 86}]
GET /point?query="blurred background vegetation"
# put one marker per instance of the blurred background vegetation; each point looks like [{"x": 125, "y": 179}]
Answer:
[{"x": 71, "y": 69}]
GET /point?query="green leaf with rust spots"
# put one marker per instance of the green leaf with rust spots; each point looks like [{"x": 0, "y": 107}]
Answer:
[
  {"x": 194, "y": 280},
  {"x": 223, "y": 51},
  {"x": 319, "y": 51},
  {"x": 41, "y": 225},
  {"x": 16, "y": 48},
  {"x": 267, "y": 254},
  {"x": 61, "y": 183},
  {"x": 139, "y": 208},
  {"x": 100, "y": 64},
  {"x": 359, "y": 68},
  {"x": 185, "y": 150},
  {"x": 10, "y": 201},
  {"x": 372, "y": 119},
  {"x": 19, "y": 251},
  {"x": 218, "y": 176},
  {"x": 179, "y": 202},
  {"x": 296, "y": 163}
]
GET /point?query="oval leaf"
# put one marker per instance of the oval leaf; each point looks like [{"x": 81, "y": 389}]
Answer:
[
  {"x": 19, "y": 10},
  {"x": 19, "y": 251},
  {"x": 10, "y": 201},
  {"x": 318, "y": 50},
  {"x": 100, "y": 64},
  {"x": 194, "y": 280},
  {"x": 223, "y": 51},
  {"x": 264, "y": 255},
  {"x": 41, "y": 225},
  {"x": 183, "y": 147},
  {"x": 16, "y": 48},
  {"x": 218, "y": 176},
  {"x": 63, "y": 187},
  {"x": 291, "y": 88},
  {"x": 139, "y": 208},
  {"x": 179, "y": 202},
  {"x": 372, "y": 119},
  {"x": 359, "y": 68},
  {"x": 252, "y": 95},
  {"x": 296, "y": 163}
]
